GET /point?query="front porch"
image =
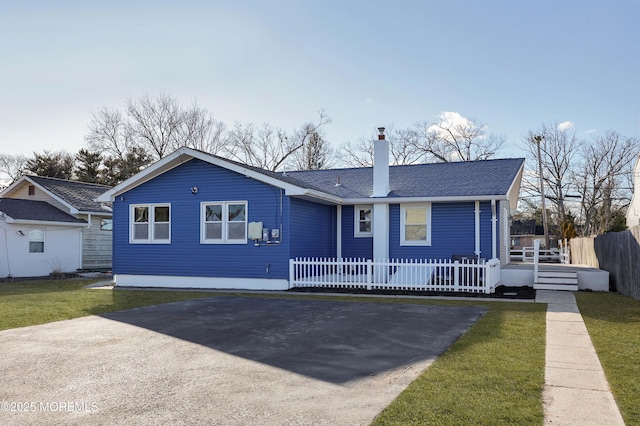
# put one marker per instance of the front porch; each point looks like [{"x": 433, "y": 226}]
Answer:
[{"x": 523, "y": 274}]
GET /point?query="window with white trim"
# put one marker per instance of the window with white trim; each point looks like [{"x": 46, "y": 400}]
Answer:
[
  {"x": 150, "y": 223},
  {"x": 363, "y": 221},
  {"x": 415, "y": 224},
  {"x": 223, "y": 222},
  {"x": 36, "y": 241},
  {"x": 106, "y": 224}
]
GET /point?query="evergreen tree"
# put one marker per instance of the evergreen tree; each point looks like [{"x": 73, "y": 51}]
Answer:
[
  {"x": 88, "y": 166},
  {"x": 117, "y": 169},
  {"x": 51, "y": 164}
]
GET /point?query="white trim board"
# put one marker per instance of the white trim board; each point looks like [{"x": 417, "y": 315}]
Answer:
[{"x": 164, "y": 281}]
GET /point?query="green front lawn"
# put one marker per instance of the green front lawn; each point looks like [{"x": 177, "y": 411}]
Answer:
[
  {"x": 613, "y": 322},
  {"x": 25, "y": 303}
]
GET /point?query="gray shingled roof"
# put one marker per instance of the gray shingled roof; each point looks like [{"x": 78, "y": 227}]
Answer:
[
  {"x": 80, "y": 195},
  {"x": 459, "y": 179},
  {"x": 35, "y": 210}
]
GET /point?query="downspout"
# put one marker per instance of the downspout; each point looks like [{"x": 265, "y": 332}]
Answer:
[
  {"x": 82, "y": 231},
  {"x": 494, "y": 227},
  {"x": 477, "y": 252}
]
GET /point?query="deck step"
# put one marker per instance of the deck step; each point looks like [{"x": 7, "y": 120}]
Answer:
[
  {"x": 557, "y": 274},
  {"x": 566, "y": 287},
  {"x": 557, "y": 280}
]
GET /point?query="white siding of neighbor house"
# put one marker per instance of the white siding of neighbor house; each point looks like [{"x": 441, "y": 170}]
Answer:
[
  {"x": 505, "y": 237},
  {"x": 96, "y": 245},
  {"x": 62, "y": 250}
]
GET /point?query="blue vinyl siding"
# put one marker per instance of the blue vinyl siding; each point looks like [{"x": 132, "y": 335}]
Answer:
[
  {"x": 313, "y": 229},
  {"x": 354, "y": 247},
  {"x": 452, "y": 232},
  {"x": 185, "y": 256}
]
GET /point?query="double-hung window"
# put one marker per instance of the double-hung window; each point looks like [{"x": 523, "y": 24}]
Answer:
[
  {"x": 150, "y": 223},
  {"x": 36, "y": 241},
  {"x": 363, "y": 221},
  {"x": 415, "y": 224},
  {"x": 223, "y": 222}
]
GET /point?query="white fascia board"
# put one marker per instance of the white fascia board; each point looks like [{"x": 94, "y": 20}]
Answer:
[
  {"x": 44, "y": 223},
  {"x": 513, "y": 194},
  {"x": 399, "y": 200},
  {"x": 94, "y": 213},
  {"x": 181, "y": 156},
  {"x": 316, "y": 195}
]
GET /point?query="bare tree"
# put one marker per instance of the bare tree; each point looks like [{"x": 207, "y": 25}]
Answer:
[
  {"x": 268, "y": 147},
  {"x": 315, "y": 154},
  {"x": 357, "y": 154},
  {"x": 155, "y": 123},
  {"x": 109, "y": 133},
  {"x": 601, "y": 179},
  {"x": 558, "y": 148},
  {"x": 13, "y": 166},
  {"x": 200, "y": 130},
  {"x": 456, "y": 138},
  {"x": 402, "y": 148}
]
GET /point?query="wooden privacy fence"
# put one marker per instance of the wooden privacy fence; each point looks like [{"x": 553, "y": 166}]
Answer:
[
  {"x": 615, "y": 252},
  {"x": 412, "y": 274}
]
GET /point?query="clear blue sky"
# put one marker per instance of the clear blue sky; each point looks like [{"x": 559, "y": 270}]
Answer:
[{"x": 513, "y": 65}]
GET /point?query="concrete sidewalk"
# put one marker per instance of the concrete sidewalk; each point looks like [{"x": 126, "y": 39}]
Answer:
[{"x": 576, "y": 391}]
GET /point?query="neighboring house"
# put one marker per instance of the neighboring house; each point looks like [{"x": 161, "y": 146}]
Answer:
[
  {"x": 524, "y": 233},
  {"x": 633, "y": 211},
  {"x": 196, "y": 220},
  {"x": 53, "y": 201},
  {"x": 39, "y": 239}
]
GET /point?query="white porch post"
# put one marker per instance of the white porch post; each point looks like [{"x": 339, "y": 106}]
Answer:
[
  {"x": 381, "y": 240},
  {"x": 494, "y": 230},
  {"x": 338, "y": 232},
  {"x": 381, "y": 231},
  {"x": 477, "y": 252}
]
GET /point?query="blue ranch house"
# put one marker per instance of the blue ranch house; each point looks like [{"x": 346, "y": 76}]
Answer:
[{"x": 195, "y": 220}]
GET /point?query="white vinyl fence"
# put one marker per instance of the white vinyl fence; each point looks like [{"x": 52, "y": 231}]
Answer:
[{"x": 416, "y": 275}]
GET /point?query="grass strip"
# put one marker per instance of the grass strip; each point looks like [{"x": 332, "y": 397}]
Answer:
[
  {"x": 494, "y": 374},
  {"x": 613, "y": 322}
]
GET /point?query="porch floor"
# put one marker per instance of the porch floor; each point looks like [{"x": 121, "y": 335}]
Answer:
[{"x": 521, "y": 274}]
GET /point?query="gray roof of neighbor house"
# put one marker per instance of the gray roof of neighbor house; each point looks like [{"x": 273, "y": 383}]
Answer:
[
  {"x": 456, "y": 179},
  {"x": 79, "y": 195},
  {"x": 35, "y": 210}
]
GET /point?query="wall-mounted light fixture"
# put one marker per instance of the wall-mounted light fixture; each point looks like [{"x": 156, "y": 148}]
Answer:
[
  {"x": 20, "y": 233},
  {"x": 194, "y": 189}
]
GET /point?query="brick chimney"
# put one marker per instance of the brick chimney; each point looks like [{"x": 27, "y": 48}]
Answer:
[{"x": 380, "y": 165}]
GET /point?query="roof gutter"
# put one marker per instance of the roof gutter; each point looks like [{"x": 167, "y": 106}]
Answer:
[
  {"x": 43, "y": 222},
  {"x": 398, "y": 200}
]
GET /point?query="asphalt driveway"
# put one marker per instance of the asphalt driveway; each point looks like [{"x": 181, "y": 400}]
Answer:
[{"x": 223, "y": 360}]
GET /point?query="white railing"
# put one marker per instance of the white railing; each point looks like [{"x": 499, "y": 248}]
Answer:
[
  {"x": 565, "y": 254},
  {"x": 526, "y": 254},
  {"x": 413, "y": 274}
]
